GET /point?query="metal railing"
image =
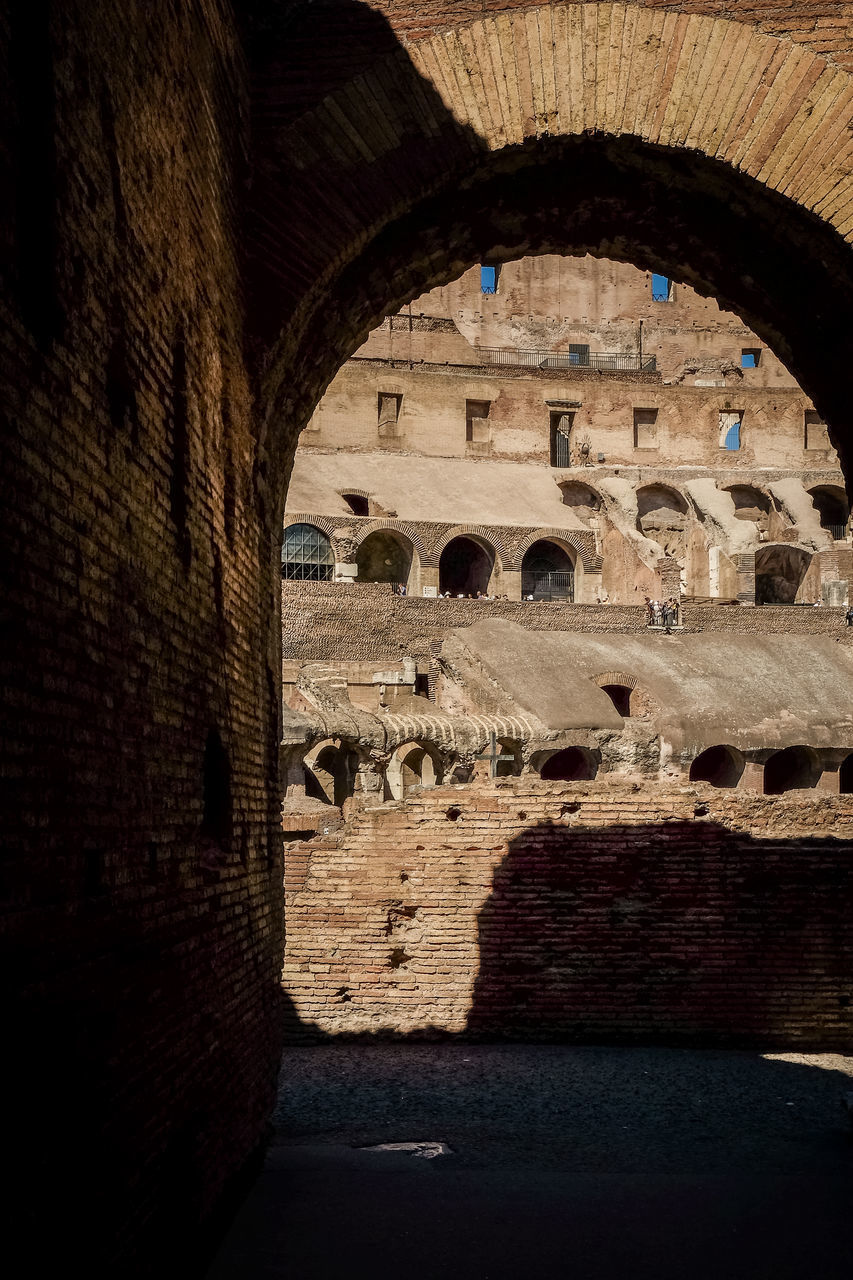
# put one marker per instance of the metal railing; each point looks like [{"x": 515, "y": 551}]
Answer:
[
  {"x": 838, "y": 531},
  {"x": 603, "y": 361},
  {"x": 558, "y": 585}
]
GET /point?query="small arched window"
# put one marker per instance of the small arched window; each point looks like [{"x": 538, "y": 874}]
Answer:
[{"x": 306, "y": 554}]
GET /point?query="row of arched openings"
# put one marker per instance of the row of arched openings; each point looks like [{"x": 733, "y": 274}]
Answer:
[
  {"x": 792, "y": 769},
  {"x": 466, "y": 567}
]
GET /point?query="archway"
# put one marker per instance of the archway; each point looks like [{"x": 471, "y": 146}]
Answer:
[
  {"x": 466, "y": 567},
  {"x": 620, "y": 696},
  {"x": 845, "y": 776},
  {"x": 722, "y": 766},
  {"x": 386, "y": 556},
  {"x": 582, "y": 500},
  {"x": 547, "y": 572},
  {"x": 508, "y": 768},
  {"x": 751, "y": 505},
  {"x": 572, "y": 764},
  {"x": 833, "y": 508},
  {"x": 330, "y": 772},
  {"x": 414, "y": 764},
  {"x": 662, "y": 517},
  {"x": 779, "y": 573},
  {"x": 794, "y": 769}
]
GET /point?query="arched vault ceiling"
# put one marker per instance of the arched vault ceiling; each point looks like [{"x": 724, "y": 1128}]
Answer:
[{"x": 691, "y": 143}]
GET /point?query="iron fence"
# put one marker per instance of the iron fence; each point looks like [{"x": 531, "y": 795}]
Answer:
[
  {"x": 557, "y": 585},
  {"x": 838, "y": 531},
  {"x": 603, "y": 361}
]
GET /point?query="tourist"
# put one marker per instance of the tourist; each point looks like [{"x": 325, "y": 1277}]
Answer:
[
  {"x": 848, "y": 617},
  {"x": 649, "y": 616}
]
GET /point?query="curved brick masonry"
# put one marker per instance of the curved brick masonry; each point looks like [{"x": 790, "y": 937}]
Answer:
[{"x": 590, "y": 912}]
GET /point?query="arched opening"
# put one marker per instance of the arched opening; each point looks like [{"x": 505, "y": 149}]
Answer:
[
  {"x": 572, "y": 764},
  {"x": 385, "y": 556},
  {"x": 845, "y": 776},
  {"x": 508, "y": 768},
  {"x": 833, "y": 508},
  {"x": 358, "y": 503},
  {"x": 662, "y": 517},
  {"x": 751, "y": 505},
  {"x": 414, "y": 764},
  {"x": 306, "y": 554},
  {"x": 547, "y": 572},
  {"x": 779, "y": 573},
  {"x": 583, "y": 502},
  {"x": 330, "y": 772},
  {"x": 620, "y": 696},
  {"x": 721, "y": 766},
  {"x": 794, "y": 769},
  {"x": 465, "y": 567}
]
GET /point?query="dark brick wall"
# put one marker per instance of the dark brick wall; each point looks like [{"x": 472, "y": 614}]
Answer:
[
  {"x": 140, "y": 650},
  {"x": 589, "y": 912}
]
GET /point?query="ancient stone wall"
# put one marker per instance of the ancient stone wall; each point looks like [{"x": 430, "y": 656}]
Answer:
[
  {"x": 140, "y": 650},
  {"x": 329, "y": 621},
  {"x": 586, "y": 911}
]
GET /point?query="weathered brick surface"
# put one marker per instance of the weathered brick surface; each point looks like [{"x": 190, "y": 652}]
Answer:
[
  {"x": 591, "y": 912},
  {"x": 366, "y": 621},
  {"x": 142, "y": 920}
]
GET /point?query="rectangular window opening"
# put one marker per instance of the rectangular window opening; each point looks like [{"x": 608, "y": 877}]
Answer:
[
  {"x": 816, "y": 434},
  {"x": 489, "y": 279},
  {"x": 750, "y": 357},
  {"x": 477, "y": 430},
  {"x": 645, "y": 428},
  {"x": 579, "y": 353},
  {"x": 731, "y": 425},
  {"x": 561, "y": 431},
  {"x": 390, "y": 404},
  {"x": 661, "y": 288}
]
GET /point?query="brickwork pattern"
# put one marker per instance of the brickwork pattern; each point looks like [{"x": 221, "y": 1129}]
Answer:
[
  {"x": 590, "y": 912},
  {"x": 141, "y": 856},
  {"x": 366, "y": 621}
]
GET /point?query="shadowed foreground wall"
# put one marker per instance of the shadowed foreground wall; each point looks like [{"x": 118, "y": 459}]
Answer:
[
  {"x": 590, "y": 913},
  {"x": 140, "y": 645}
]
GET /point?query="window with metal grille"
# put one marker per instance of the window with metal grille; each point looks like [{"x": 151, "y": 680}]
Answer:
[
  {"x": 561, "y": 431},
  {"x": 307, "y": 554},
  {"x": 578, "y": 353}
]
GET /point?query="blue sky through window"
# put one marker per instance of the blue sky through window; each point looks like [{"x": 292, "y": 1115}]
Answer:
[
  {"x": 660, "y": 288},
  {"x": 488, "y": 279}
]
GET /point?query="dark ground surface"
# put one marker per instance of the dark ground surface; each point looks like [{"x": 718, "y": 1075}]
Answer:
[{"x": 613, "y": 1164}]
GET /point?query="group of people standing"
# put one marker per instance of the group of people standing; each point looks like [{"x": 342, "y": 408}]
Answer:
[{"x": 662, "y": 613}]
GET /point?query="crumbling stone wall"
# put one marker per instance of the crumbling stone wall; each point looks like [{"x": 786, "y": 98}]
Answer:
[
  {"x": 140, "y": 638},
  {"x": 586, "y": 911}
]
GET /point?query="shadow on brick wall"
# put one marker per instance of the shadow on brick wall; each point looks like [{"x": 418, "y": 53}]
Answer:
[{"x": 683, "y": 931}]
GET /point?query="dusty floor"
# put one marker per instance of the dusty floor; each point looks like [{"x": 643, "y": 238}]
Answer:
[{"x": 565, "y": 1161}]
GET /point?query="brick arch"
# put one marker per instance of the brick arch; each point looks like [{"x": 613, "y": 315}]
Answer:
[
  {"x": 328, "y": 524},
  {"x": 686, "y": 134},
  {"x": 615, "y": 677},
  {"x": 479, "y": 533},
  {"x": 392, "y": 526},
  {"x": 581, "y": 546}
]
